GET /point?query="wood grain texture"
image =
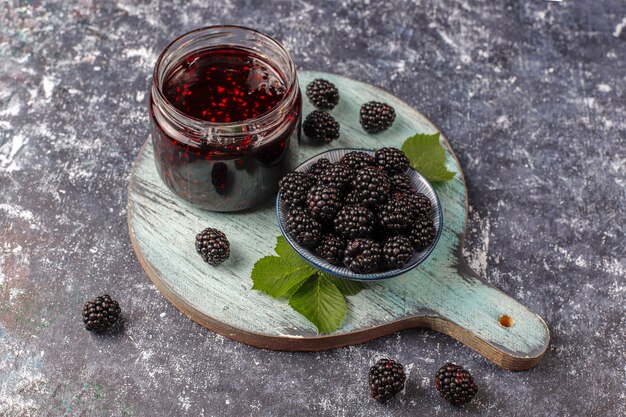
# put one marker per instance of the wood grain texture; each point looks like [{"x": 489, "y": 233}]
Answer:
[{"x": 442, "y": 294}]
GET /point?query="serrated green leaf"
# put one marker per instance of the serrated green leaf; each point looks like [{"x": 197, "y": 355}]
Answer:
[
  {"x": 280, "y": 276},
  {"x": 346, "y": 286},
  {"x": 427, "y": 156},
  {"x": 283, "y": 249},
  {"x": 321, "y": 302}
]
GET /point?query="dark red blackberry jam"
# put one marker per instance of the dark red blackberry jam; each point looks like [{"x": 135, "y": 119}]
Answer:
[{"x": 225, "y": 110}]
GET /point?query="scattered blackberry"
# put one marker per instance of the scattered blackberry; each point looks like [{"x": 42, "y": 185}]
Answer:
[
  {"x": 397, "y": 251},
  {"x": 323, "y": 94},
  {"x": 423, "y": 233},
  {"x": 401, "y": 183},
  {"x": 392, "y": 160},
  {"x": 386, "y": 379},
  {"x": 302, "y": 227},
  {"x": 362, "y": 255},
  {"x": 371, "y": 186},
  {"x": 294, "y": 188},
  {"x": 376, "y": 117},
  {"x": 337, "y": 175},
  {"x": 395, "y": 217},
  {"x": 324, "y": 202},
  {"x": 358, "y": 160},
  {"x": 331, "y": 249},
  {"x": 455, "y": 384},
  {"x": 318, "y": 167},
  {"x": 101, "y": 313},
  {"x": 354, "y": 221},
  {"x": 213, "y": 246},
  {"x": 321, "y": 127}
]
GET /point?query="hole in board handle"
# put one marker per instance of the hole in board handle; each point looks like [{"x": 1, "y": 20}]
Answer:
[{"x": 506, "y": 321}]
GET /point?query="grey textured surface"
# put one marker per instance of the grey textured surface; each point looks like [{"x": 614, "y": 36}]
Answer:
[{"x": 531, "y": 95}]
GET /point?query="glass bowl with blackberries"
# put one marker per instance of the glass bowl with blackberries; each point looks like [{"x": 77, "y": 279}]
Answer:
[{"x": 359, "y": 214}]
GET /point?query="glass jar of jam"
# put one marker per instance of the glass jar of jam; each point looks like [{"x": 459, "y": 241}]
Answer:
[{"x": 225, "y": 110}]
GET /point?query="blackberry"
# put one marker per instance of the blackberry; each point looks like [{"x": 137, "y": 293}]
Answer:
[
  {"x": 324, "y": 202},
  {"x": 362, "y": 255},
  {"x": 331, "y": 249},
  {"x": 358, "y": 160},
  {"x": 371, "y": 186},
  {"x": 376, "y": 117},
  {"x": 294, "y": 188},
  {"x": 323, "y": 94},
  {"x": 336, "y": 175},
  {"x": 422, "y": 233},
  {"x": 101, "y": 313},
  {"x": 302, "y": 227},
  {"x": 397, "y": 251},
  {"x": 354, "y": 221},
  {"x": 213, "y": 246},
  {"x": 455, "y": 384},
  {"x": 321, "y": 127},
  {"x": 420, "y": 204},
  {"x": 392, "y": 160},
  {"x": 318, "y": 167},
  {"x": 395, "y": 217},
  {"x": 401, "y": 183},
  {"x": 386, "y": 379}
]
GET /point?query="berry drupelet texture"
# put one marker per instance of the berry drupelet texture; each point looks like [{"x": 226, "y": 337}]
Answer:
[
  {"x": 371, "y": 186},
  {"x": 318, "y": 168},
  {"x": 386, "y": 379},
  {"x": 324, "y": 202},
  {"x": 395, "y": 217},
  {"x": 376, "y": 117},
  {"x": 303, "y": 227},
  {"x": 422, "y": 233},
  {"x": 294, "y": 188},
  {"x": 338, "y": 176},
  {"x": 321, "y": 127},
  {"x": 354, "y": 221},
  {"x": 420, "y": 203},
  {"x": 323, "y": 94},
  {"x": 392, "y": 160},
  {"x": 101, "y": 314},
  {"x": 401, "y": 183},
  {"x": 397, "y": 251},
  {"x": 331, "y": 249},
  {"x": 455, "y": 384},
  {"x": 362, "y": 255},
  {"x": 213, "y": 246},
  {"x": 357, "y": 160}
]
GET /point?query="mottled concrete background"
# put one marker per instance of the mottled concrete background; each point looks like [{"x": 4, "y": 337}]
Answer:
[{"x": 530, "y": 93}]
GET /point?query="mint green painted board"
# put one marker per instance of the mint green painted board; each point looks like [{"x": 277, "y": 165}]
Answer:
[{"x": 442, "y": 293}]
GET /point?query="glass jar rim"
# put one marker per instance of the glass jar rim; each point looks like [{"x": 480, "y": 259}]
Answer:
[{"x": 266, "y": 117}]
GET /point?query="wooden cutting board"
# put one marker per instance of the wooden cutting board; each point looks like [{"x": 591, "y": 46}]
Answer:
[{"x": 443, "y": 293}]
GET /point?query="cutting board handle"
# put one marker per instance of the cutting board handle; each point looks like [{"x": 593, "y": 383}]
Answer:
[{"x": 487, "y": 320}]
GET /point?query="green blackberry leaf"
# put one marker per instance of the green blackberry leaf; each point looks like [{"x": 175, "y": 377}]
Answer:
[
  {"x": 321, "y": 302},
  {"x": 427, "y": 156},
  {"x": 318, "y": 296},
  {"x": 346, "y": 286},
  {"x": 280, "y": 276}
]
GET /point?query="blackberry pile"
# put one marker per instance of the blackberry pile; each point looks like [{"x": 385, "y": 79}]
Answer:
[{"x": 361, "y": 212}]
